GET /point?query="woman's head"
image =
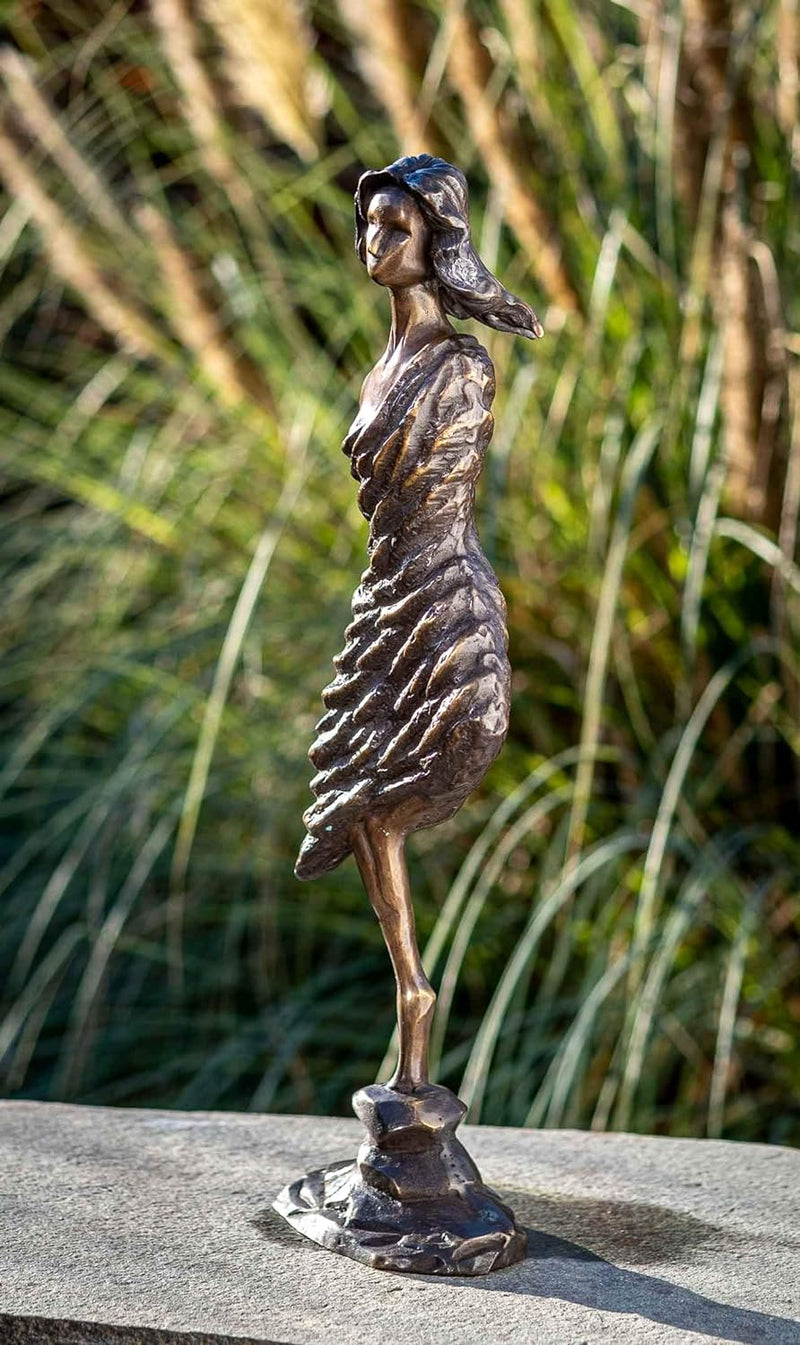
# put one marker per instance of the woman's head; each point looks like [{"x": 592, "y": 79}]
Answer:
[
  {"x": 397, "y": 239},
  {"x": 428, "y": 237}
]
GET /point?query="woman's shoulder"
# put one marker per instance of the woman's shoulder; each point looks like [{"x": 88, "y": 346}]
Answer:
[
  {"x": 465, "y": 347},
  {"x": 462, "y": 357}
]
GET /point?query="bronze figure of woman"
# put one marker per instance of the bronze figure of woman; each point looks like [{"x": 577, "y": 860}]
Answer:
[{"x": 418, "y": 709}]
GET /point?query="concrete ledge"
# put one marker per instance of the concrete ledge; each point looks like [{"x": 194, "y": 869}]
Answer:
[{"x": 152, "y": 1227}]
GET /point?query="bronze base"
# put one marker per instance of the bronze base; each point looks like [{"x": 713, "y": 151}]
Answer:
[{"x": 413, "y": 1200}]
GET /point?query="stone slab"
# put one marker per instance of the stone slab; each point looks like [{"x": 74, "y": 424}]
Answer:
[{"x": 121, "y": 1226}]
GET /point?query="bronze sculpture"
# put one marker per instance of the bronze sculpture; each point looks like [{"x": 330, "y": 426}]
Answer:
[{"x": 418, "y": 709}]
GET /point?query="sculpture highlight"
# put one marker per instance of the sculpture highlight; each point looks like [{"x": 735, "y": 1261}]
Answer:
[{"x": 418, "y": 709}]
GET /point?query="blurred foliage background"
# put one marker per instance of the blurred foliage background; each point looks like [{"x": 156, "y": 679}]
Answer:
[{"x": 613, "y": 921}]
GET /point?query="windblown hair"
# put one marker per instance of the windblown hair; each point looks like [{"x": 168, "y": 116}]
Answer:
[{"x": 467, "y": 287}]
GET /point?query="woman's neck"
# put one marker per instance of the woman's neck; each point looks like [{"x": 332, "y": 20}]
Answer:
[{"x": 417, "y": 317}]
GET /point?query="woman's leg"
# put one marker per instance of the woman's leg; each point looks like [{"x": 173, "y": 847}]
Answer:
[{"x": 379, "y": 850}]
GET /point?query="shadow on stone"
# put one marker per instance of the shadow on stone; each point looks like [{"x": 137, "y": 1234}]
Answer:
[
  {"x": 638, "y": 1233},
  {"x": 556, "y": 1267}
]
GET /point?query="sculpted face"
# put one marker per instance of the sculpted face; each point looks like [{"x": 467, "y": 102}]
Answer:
[{"x": 397, "y": 239}]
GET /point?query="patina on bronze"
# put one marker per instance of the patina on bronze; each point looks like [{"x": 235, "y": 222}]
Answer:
[{"x": 418, "y": 709}]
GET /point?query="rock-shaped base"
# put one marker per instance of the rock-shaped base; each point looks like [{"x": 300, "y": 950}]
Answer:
[{"x": 413, "y": 1199}]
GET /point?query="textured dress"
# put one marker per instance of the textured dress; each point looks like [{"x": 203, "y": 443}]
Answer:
[{"x": 418, "y": 708}]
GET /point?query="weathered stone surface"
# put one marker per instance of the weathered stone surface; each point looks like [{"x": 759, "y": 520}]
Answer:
[{"x": 157, "y": 1224}]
